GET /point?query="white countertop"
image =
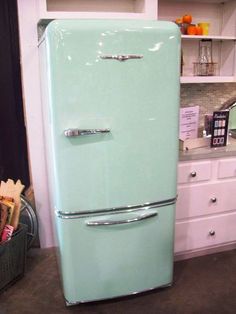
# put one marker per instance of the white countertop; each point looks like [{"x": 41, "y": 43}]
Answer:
[{"x": 208, "y": 152}]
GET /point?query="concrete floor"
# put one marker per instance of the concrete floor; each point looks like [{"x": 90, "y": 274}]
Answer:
[{"x": 201, "y": 285}]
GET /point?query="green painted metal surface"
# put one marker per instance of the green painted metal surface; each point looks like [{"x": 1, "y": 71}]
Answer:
[
  {"x": 232, "y": 118},
  {"x": 136, "y": 163},
  {"x": 136, "y": 99},
  {"x": 102, "y": 262}
]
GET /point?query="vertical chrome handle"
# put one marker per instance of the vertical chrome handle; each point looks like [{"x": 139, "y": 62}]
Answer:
[{"x": 82, "y": 132}]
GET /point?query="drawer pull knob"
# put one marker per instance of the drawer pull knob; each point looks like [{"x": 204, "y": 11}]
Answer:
[
  {"x": 193, "y": 174},
  {"x": 213, "y": 199},
  {"x": 212, "y": 233}
]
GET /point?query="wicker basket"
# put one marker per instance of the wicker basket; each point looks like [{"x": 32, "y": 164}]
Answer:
[{"x": 13, "y": 257}]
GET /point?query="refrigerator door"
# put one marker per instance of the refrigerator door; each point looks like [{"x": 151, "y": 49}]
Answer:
[
  {"x": 111, "y": 120},
  {"x": 107, "y": 256}
]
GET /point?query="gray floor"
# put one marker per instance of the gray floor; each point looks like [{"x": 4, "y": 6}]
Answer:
[{"x": 201, "y": 285}]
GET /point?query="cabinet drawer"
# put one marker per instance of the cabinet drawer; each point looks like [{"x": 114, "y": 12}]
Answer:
[
  {"x": 227, "y": 168},
  {"x": 194, "y": 172},
  {"x": 205, "y": 199},
  {"x": 200, "y": 233}
]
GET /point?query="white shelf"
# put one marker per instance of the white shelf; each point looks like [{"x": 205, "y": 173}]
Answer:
[
  {"x": 207, "y": 79},
  {"x": 97, "y": 9},
  {"x": 221, "y": 16},
  {"x": 203, "y": 1},
  {"x": 198, "y": 37},
  {"x": 94, "y": 15}
]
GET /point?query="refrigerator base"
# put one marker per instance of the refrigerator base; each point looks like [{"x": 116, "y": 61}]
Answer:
[{"x": 69, "y": 304}]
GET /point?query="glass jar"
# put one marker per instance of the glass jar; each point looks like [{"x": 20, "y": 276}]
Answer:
[{"x": 205, "y": 65}]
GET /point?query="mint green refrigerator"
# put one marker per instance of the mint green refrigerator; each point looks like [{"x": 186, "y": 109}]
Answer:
[{"x": 110, "y": 91}]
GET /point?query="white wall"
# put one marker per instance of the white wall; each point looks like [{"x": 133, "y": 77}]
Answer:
[{"x": 28, "y": 17}]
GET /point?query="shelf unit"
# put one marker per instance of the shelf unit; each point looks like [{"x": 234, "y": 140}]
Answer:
[
  {"x": 223, "y": 54},
  {"x": 221, "y": 15},
  {"x": 214, "y": 37},
  {"x": 112, "y": 9},
  {"x": 207, "y": 79}
]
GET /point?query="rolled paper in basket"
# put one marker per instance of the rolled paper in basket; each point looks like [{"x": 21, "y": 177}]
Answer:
[
  {"x": 15, "y": 190},
  {"x": 9, "y": 203},
  {"x": 3, "y": 217},
  {"x": 7, "y": 232},
  {"x": 16, "y": 216}
]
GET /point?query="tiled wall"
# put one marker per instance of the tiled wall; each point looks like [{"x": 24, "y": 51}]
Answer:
[{"x": 209, "y": 97}]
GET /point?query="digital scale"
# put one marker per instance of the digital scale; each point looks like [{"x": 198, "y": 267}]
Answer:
[{"x": 219, "y": 128}]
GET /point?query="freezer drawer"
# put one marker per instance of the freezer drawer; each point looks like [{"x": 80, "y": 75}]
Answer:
[{"x": 106, "y": 256}]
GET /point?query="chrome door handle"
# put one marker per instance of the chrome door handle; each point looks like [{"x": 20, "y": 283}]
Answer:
[
  {"x": 121, "y": 57},
  {"x": 80, "y": 132},
  {"x": 119, "y": 222}
]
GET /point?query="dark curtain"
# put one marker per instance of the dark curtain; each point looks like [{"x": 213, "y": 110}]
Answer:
[{"x": 13, "y": 146}]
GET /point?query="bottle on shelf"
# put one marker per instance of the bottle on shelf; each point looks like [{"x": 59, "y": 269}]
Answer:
[{"x": 205, "y": 65}]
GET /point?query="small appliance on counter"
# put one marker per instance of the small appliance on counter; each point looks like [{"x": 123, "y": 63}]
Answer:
[{"x": 219, "y": 133}]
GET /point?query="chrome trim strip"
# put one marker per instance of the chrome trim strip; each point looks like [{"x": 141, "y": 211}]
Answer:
[
  {"x": 110, "y": 222},
  {"x": 80, "y": 132},
  {"x": 120, "y": 296},
  {"x": 121, "y": 57},
  {"x": 114, "y": 210},
  {"x": 41, "y": 41}
]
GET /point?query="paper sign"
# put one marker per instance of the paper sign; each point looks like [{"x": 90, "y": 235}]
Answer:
[{"x": 188, "y": 120}]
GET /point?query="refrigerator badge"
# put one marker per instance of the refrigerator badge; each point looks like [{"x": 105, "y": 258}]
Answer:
[{"x": 121, "y": 57}]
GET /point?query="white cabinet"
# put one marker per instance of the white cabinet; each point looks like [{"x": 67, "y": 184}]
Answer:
[
  {"x": 206, "y": 205},
  {"x": 205, "y": 233},
  {"x": 194, "y": 172},
  {"x": 206, "y": 199},
  {"x": 227, "y": 169},
  {"x": 221, "y": 15},
  {"x": 112, "y": 9}
]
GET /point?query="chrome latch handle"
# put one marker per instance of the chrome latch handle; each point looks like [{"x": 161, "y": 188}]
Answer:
[
  {"x": 82, "y": 132},
  {"x": 110, "y": 222},
  {"x": 121, "y": 57}
]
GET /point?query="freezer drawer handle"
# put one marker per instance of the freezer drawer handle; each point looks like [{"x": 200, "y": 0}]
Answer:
[
  {"x": 79, "y": 132},
  {"x": 119, "y": 222},
  {"x": 121, "y": 57}
]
